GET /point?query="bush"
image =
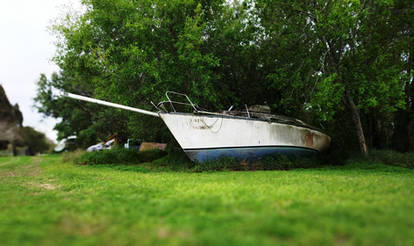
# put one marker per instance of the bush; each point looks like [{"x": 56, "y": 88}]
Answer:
[
  {"x": 286, "y": 162},
  {"x": 273, "y": 162},
  {"x": 119, "y": 155},
  {"x": 36, "y": 141},
  {"x": 390, "y": 157},
  {"x": 72, "y": 156},
  {"x": 176, "y": 160},
  {"x": 218, "y": 165}
]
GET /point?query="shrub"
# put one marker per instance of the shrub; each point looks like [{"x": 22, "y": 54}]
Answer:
[
  {"x": 119, "y": 155},
  {"x": 273, "y": 162},
  {"x": 36, "y": 141},
  {"x": 390, "y": 157},
  {"x": 285, "y": 162},
  {"x": 176, "y": 160},
  {"x": 72, "y": 156},
  {"x": 218, "y": 165}
]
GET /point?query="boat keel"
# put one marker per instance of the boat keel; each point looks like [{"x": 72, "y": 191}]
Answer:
[{"x": 245, "y": 153}]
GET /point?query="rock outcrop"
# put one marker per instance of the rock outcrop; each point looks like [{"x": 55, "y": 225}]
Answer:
[{"x": 11, "y": 120}]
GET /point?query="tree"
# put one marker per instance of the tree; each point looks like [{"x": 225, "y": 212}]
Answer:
[
  {"x": 89, "y": 122},
  {"x": 340, "y": 59},
  {"x": 403, "y": 139},
  {"x": 321, "y": 61},
  {"x": 130, "y": 53},
  {"x": 35, "y": 141}
]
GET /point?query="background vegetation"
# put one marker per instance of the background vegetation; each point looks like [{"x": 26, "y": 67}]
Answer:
[
  {"x": 178, "y": 161},
  {"x": 116, "y": 156},
  {"x": 36, "y": 142},
  {"x": 346, "y": 66}
]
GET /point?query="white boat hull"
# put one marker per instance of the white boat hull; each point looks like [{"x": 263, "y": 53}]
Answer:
[
  {"x": 212, "y": 136},
  {"x": 209, "y": 137}
]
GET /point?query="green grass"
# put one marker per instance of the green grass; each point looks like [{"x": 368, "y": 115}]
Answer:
[{"x": 44, "y": 201}]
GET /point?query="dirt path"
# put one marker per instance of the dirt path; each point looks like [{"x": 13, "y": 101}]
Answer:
[
  {"x": 18, "y": 170},
  {"x": 6, "y": 163}
]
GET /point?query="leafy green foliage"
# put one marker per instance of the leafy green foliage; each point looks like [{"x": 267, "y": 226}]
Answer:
[
  {"x": 175, "y": 160},
  {"x": 345, "y": 59},
  {"x": 315, "y": 60},
  {"x": 90, "y": 123},
  {"x": 390, "y": 157},
  {"x": 275, "y": 162},
  {"x": 35, "y": 141},
  {"x": 219, "y": 165},
  {"x": 118, "y": 155},
  {"x": 178, "y": 161}
]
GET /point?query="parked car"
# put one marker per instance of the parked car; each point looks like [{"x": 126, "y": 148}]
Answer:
[
  {"x": 101, "y": 146},
  {"x": 133, "y": 143}
]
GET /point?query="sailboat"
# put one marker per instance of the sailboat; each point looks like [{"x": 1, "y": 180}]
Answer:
[{"x": 243, "y": 135}]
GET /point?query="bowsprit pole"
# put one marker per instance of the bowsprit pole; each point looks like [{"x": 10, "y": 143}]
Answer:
[{"x": 109, "y": 104}]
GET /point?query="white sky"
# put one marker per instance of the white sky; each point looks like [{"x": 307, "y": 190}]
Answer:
[{"x": 26, "y": 47}]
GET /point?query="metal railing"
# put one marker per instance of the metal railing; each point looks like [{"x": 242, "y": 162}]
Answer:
[
  {"x": 161, "y": 105},
  {"x": 172, "y": 102}
]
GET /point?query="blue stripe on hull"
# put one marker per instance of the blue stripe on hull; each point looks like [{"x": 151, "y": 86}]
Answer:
[{"x": 245, "y": 153}]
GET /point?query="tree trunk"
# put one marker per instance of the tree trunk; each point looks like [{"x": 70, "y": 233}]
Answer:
[
  {"x": 14, "y": 149},
  {"x": 357, "y": 123}
]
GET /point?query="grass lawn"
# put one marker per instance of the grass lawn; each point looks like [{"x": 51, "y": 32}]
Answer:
[{"x": 44, "y": 201}]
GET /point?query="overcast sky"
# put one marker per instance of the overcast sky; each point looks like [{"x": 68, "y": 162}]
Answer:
[{"x": 26, "y": 47}]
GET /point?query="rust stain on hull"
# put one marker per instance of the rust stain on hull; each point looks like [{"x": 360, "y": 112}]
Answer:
[{"x": 309, "y": 139}]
